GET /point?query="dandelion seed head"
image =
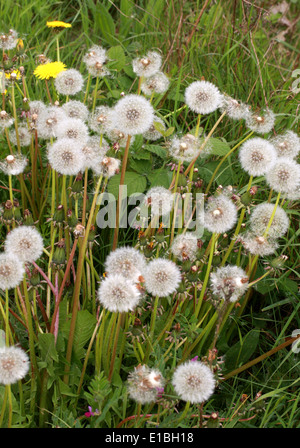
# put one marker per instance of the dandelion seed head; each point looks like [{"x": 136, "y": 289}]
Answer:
[
  {"x": 11, "y": 271},
  {"x": 144, "y": 384},
  {"x": 185, "y": 246},
  {"x": 9, "y": 40},
  {"x": 234, "y": 109},
  {"x": 74, "y": 129},
  {"x": 36, "y": 108},
  {"x": 157, "y": 83},
  {"x": 118, "y": 294},
  {"x": 287, "y": 144},
  {"x": 93, "y": 152},
  {"x": 220, "y": 214},
  {"x": 260, "y": 218},
  {"x": 147, "y": 65},
  {"x": 133, "y": 114},
  {"x": 14, "y": 364},
  {"x": 76, "y": 109},
  {"x": 25, "y": 242},
  {"x": 13, "y": 165},
  {"x": 261, "y": 123},
  {"x": 162, "y": 277},
  {"x": 258, "y": 245},
  {"x": 69, "y": 82},
  {"x": 257, "y": 156},
  {"x": 184, "y": 148},
  {"x": 284, "y": 175},
  {"x": 66, "y": 157},
  {"x": 126, "y": 261},
  {"x": 203, "y": 97},
  {"x": 24, "y": 136},
  {"x": 160, "y": 200},
  {"x": 102, "y": 120},
  {"x": 5, "y": 120},
  {"x": 49, "y": 120},
  {"x": 229, "y": 282},
  {"x": 152, "y": 134},
  {"x": 108, "y": 167}
]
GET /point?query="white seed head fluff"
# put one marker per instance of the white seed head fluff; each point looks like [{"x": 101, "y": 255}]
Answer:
[
  {"x": 6, "y": 119},
  {"x": 162, "y": 277},
  {"x": 76, "y": 109},
  {"x": 24, "y": 136},
  {"x": 194, "y": 381},
  {"x": 36, "y": 108},
  {"x": 102, "y": 120},
  {"x": 147, "y": 65},
  {"x": 220, "y": 214},
  {"x": 260, "y": 218},
  {"x": 11, "y": 271},
  {"x": 133, "y": 114},
  {"x": 94, "y": 153},
  {"x": 144, "y": 384},
  {"x": 258, "y": 245},
  {"x": 157, "y": 83},
  {"x": 14, "y": 364},
  {"x": 257, "y": 156},
  {"x": 118, "y": 294},
  {"x": 160, "y": 199},
  {"x": 184, "y": 148},
  {"x": 234, "y": 109},
  {"x": 48, "y": 121},
  {"x": 9, "y": 40},
  {"x": 261, "y": 123},
  {"x": 152, "y": 134},
  {"x": 108, "y": 167},
  {"x": 126, "y": 261},
  {"x": 284, "y": 175},
  {"x": 185, "y": 246},
  {"x": 203, "y": 97},
  {"x": 73, "y": 128},
  {"x": 229, "y": 282},
  {"x": 25, "y": 242},
  {"x": 287, "y": 144},
  {"x": 13, "y": 165},
  {"x": 69, "y": 82},
  {"x": 65, "y": 157},
  {"x": 116, "y": 136},
  {"x": 95, "y": 60}
]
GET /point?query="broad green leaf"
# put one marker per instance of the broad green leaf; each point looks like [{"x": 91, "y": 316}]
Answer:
[
  {"x": 136, "y": 183},
  {"x": 116, "y": 58},
  {"x": 241, "y": 352}
]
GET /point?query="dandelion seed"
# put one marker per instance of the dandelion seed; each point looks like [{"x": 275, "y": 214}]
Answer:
[
  {"x": 185, "y": 148},
  {"x": 118, "y": 138},
  {"x": 95, "y": 60},
  {"x": 160, "y": 200},
  {"x": 145, "y": 384},
  {"x": 118, "y": 294},
  {"x": 13, "y": 165},
  {"x": 260, "y": 218},
  {"x": 49, "y": 120},
  {"x": 11, "y": 271},
  {"x": 147, "y": 65},
  {"x": 162, "y": 277},
  {"x": 234, "y": 109},
  {"x": 74, "y": 129},
  {"x": 24, "y": 136},
  {"x": 69, "y": 82},
  {"x": 229, "y": 282},
  {"x": 203, "y": 97},
  {"x": 36, "y": 108},
  {"x": 102, "y": 120},
  {"x": 284, "y": 176},
  {"x": 25, "y": 242},
  {"x": 157, "y": 83},
  {"x": 76, "y": 109},
  {"x": 220, "y": 214},
  {"x": 108, "y": 167},
  {"x": 287, "y": 144},
  {"x": 14, "y": 364},
  {"x": 9, "y": 40},
  {"x": 185, "y": 246},
  {"x": 133, "y": 114},
  {"x": 5, "y": 120},
  {"x": 65, "y": 157},
  {"x": 193, "y": 381},
  {"x": 49, "y": 70},
  {"x": 261, "y": 123},
  {"x": 127, "y": 261},
  {"x": 258, "y": 245},
  {"x": 257, "y": 156}
]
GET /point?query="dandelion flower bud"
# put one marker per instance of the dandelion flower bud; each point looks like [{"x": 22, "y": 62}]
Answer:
[
  {"x": 287, "y": 144},
  {"x": 144, "y": 384},
  {"x": 108, "y": 167},
  {"x": 194, "y": 381},
  {"x": 65, "y": 157},
  {"x": 69, "y": 82},
  {"x": 157, "y": 83},
  {"x": 25, "y": 242},
  {"x": 127, "y": 261},
  {"x": 94, "y": 153},
  {"x": 24, "y": 136},
  {"x": 258, "y": 245},
  {"x": 147, "y": 65},
  {"x": 11, "y": 271},
  {"x": 74, "y": 129},
  {"x": 220, "y": 214},
  {"x": 13, "y": 165},
  {"x": 185, "y": 246},
  {"x": 49, "y": 120},
  {"x": 184, "y": 149},
  {"x": 260, "y": 217},
  {"x": 162, "y": 277},
  {"x": 133, "y": 114},
  {"x": 234, "y": 109},
  {"x": 257, "y": 156},
  {"x": 118, "y": 294},
  {"x": 5, "y": 120},
  {"x": 229, "y": 283},
  {"x": 101, "y": 121},
  {"x": 261, "y": 123},
  {"x": 160, "y": 200},
  {"x": 152, "y": 133},
  {"x": 14, "y": 364},
  {"x": 76, "y": 109},
  {"x": 284, "y": 176},
  {"x": 203, "y": 97}
]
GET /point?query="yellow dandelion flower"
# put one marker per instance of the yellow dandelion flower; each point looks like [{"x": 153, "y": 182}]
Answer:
[
  {"x": 49, "y": 70},
  {"x": 16, "y": 72},
  {"x": 58, "y": 24}
]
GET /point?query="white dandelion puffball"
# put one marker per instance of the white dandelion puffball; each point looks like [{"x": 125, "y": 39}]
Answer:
[
  {"x": 76, "y": 109},
  {"x": 65, "y": 157},
  {"x": 294, "y": 195},
  {"x": 152, "y": 134},
  {"x": 9, "y": 40},
  {"x": 118, "y": 294},
  {"x": 162, "y": 277},
  {"x": 24, "y": 136},
  {"x": 194, "y": 381},
  {"x": 6, "y": 120},
  {"x": 160, "y": 199},
  {"x": 119, "y": 138},
  {"x": 36, "y": 108},
  {"x": 94, "y": 153},
  {"x": 184, "y": 148},
  {"x": 126, "y": 261},
  {"x": 95, "y": 60},
  {"x": 261, "y": 123},
  {"x": 257, "y": 156},
  {"x": 287, "y": 144},
  {"x": 73, "y": 128},
  {"x": 144, "y": 384},
  {"x": 203, "y": 97},
  {"x": 102, "y": 120},
  {"x": 48, "y": 121},
  {"x": 25, "y": 242},
  {"x": 220, "y": 214},
  {"x": 234, "y": 109},
  {"x": 133, "y": 114},
  {"x": 157, "y": 83},
  {"x": 229, "y": 282},
  {"x": 284, "y": 176},
  {"x": 185, "y": 246},
  {"x": 260, "y": 217},
  {"x": 14, "y": 364},
  {"x": 69, "y": 82},
  {"x": 258, "y": 245},
  {"x": 147, "y": 65},
  {"x": 11, "y": 271},
  {"x": 13, "y": 165},
  {"x": 108, "y": 167}
]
